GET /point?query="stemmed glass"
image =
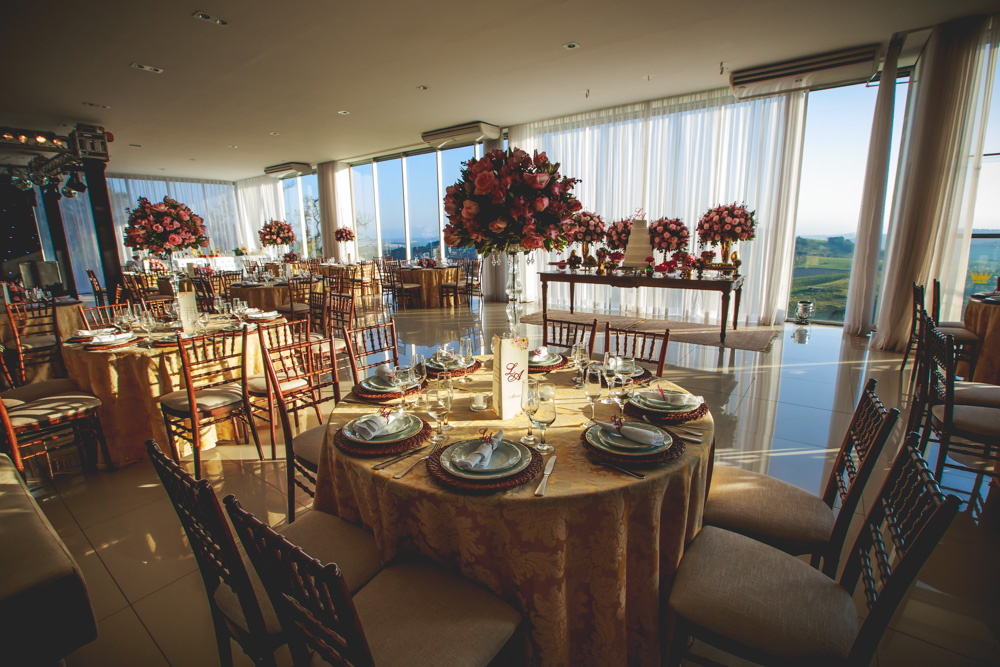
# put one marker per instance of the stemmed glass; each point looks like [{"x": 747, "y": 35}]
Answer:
[
  {"x": 239, "y": 309},
  {"x": 419, "y": 376},
  {"x": 402, "y": 379},
  {"x": 530, "y": 399},
  {"x": 543, "y": 417},
  {"x": 465, "y": 357},
  {"x": 610, "y": 366},
  {"x": 622, "y": 390},
  {"x": 580, "y": 359},
  {"x": 592, "y": 388},
  {"x": 203, "y": 320},
  {"x": 123, "y": 320},
  {"x": 626, "y": 366},
  {"x": 444, "y": 382},
  {"x": 438, "y": 407}
]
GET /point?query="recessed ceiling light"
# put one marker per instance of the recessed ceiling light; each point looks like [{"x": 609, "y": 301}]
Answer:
[
  {"x": 147, "y": 68},
  {"x": 232, "y": 146},
  {"x": 192, "y": 159},
  {"x": 208, "y": 18},
  {"x": 136, "y": 145},
  {"x": 569, "y": 46},
  {"x": 344, "y": 113},
  {"x": 96, "y": 105},
  {"x": 421, "y": 87},
  {"x": 274, "y": 134}
]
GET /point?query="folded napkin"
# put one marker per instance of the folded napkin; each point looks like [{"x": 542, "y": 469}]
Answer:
[
  {"x": 384, "y": 372},
  {"x": 90, "y": 333},
  {"x": 540, "y": 354},
  {"x": 261, "y": 314},
  {"x": 671, "y": 399},
  {"x": 111, "y": 338},
  {"x": 375, "y": 424},
  {"x": 481, "y": 457},
  {"x": 634, "y": 433}
]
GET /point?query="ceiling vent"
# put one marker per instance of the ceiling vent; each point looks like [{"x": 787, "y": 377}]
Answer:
[
  {"x": 823, "y": 71},
  {"x": 461, "y": 134},
  {"x": 288, "y": 169}
]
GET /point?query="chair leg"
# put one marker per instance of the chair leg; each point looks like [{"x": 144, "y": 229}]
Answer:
[
  {"x": 678, "y": 642},
  {"x": 222, "y": 638},
  {"x": 943, "y": 441},
  {"x": 253, "y": 432},
  {"x": 102, "y": 443},
  {"x": 170, "y": 438},
  {"x": 906, "y": 355}
]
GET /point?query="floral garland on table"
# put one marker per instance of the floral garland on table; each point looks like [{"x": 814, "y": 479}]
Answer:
[
  {"x": 276, "y": 232},
  {"x": 508, "y": 201},
  {"x": 163, "y": 227},
  {"x": 669, "y": 235},
  {"x": 590, "y": 228},
  {"x": 343, "y": 234},
  {"x": 729, "y": 222}
]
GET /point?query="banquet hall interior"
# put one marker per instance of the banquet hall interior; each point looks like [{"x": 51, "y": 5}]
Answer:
[{"x": 572, "y": 332}]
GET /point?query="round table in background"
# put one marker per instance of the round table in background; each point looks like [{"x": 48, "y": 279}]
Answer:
[
  {"x": 68, "y": 320},
  {"x": 983, "y": 318},
  {"x": 588, "y": 564},
  {"x": 264, "y": 297},
  {"x": 430, "y": 281}
]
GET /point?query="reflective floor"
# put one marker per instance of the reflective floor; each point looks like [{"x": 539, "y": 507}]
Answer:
[{"x": 782, "y": 412}]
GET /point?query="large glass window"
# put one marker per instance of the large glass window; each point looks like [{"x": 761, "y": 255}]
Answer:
[
  {"x": 984, "y": 249},
  {"x": 835, "y": 155},
  {"x": 451, "y": 170},
  {"x": 363, "y": 188},
  {"x": 390, "y": 208},
  {"x": 423, "y": 205},
  {"x": 301, "y": 195}
]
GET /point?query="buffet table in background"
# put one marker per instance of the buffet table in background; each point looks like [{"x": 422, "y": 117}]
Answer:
[{"x": 588, "y": 564}]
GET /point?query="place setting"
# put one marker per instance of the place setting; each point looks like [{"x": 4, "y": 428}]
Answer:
[
  {"x": 487, "y": 464},
  {"x": 389, "y": 383},
  {"x": 543, "y": 360},
  {"x": 665, "y": 406},
  {"x": 630, "y": 443},
  {"x": 445, "y": 360},
  {"x": 384, "y": 432}
]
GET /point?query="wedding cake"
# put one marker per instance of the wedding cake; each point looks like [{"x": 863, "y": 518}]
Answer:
[{"x": 638, "y": 247}]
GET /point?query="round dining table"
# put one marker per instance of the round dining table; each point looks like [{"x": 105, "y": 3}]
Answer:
[
  {"x": 430, "y": 281},
  {"x": 130, "y": 381},
  {"x": 983, "y": 318},
  {"x": 68, "y": 320},
  {"x": 262, "y": 296},
  {"x": 589, "y": 564}
]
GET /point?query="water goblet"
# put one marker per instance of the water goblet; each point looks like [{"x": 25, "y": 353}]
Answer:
[
  {"x": 419, "y": 376},
  {"x": 465, "y": 357},
  {"x": 608, "y": 369},
  {"x": 438, "y": 407},
  {"x": 444, "y": 381},
  {"x": 543, "y": 417},
  {"x": 622, "y": 389},
  {"x": 592, "y": 388},
  {"x": 402, "y": 379},
  {"x": 529, "y": 403},
  {"x": 203, "y": 319}
]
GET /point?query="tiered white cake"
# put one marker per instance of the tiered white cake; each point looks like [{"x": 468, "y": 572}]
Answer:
[{"x": 638, "y": 247}]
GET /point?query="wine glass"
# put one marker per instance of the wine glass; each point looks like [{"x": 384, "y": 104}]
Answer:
[
  {"x": 444, "y": 382},
  {"x": 239, "y": 309},
  {"x": 592, "y": 388},
  {"x": 622, "y": 390},
  {"x": 419, "y": 376},
  {"x": 402, "y": 379},
  {"x": 203, "y": 319},
  {"x": 529, "y": 403},
  {"x": 465, "y": 357},
  {"x": 578, "y": 356},
  {"x": 543, "y": 417},
  {"x": 608, "y": 369},
  {"x": 438, "y": 407},
  {"x": 626, "y": 366}
]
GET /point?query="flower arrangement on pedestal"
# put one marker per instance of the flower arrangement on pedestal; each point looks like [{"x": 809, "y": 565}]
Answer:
[
  {"x": 725, "y": 225},
  {"x": 510, "y": 202},
  {"x": 290, "y": 256},
  {"x": 343, "y": 234},
  {"x": 276, "y": 232},
  {"x": 669, "y": 235},
  {"x": 156, "y": 265},
  {"x": 614, "y": 258},
  {"x": 590, "y": 228},
  {"x": 616, "y": 235},
  {"x": 164, "y": 227}
]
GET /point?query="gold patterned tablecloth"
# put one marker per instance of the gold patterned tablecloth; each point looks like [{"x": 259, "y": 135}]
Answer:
[
  {"x": 983, "y": 318},
  {"x": 263, "y": 297},
  {"x": 68, "y": 320},
  {"x": 129, "y": 381},
  {"x": 588, "y": 564},
  {"x": 430, "y": 281}
]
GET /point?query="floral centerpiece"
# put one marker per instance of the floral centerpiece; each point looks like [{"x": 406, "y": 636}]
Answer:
[
  {"x": 343, "y": 234},
  {"x": 290, "y": 256},
  {"x": 164, "y": 227},
  {"x": 204, "y": 271},
  {"x": 616, "y": 235},
  {"x": 669, "y": 235},
  {"x": 614, "y": 258},
  {"x": 510, "y": 202},
  {"x": 276, "y": 232},
  {"x": 725, "y": 225},
  {"x": 156, "y": 265},
  {"x": 590, "y": 228},
  {"x": 427, "y": 263}
]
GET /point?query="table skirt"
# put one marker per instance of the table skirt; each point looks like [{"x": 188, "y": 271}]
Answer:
[{"x": 984, "y": 319}]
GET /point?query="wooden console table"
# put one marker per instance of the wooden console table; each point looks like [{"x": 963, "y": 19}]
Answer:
[{"x": 725, "y": 287}]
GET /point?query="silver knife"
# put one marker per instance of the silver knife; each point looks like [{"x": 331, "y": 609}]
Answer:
[
  {"x": 383, "y": 464},
  {"x": 402, "y": 473},
  {"x": 549, "y": 465},
  {"x": 688, "y": 431}
]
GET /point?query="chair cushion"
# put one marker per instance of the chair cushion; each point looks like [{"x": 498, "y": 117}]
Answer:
[
  {"x": 37, "y": 342},
  {"x": 338, "y": 344},
  {"x": 307, "y": 444},
  {"x": 768, "y": 510},
  {"x": 960, "y": 334},
  {"x": 972, "y": 419},
  {"x": 763, "y": 598},
  {"x": 330, "y": 539},
  {"x": 50, "y": 408},
  {"x": 205, "y": 399},
  {"x": 973, "y": 393},
  {"x": 951, "y": 325},
  {"x": 415, "y": 613},
  {"x": 412, "y": 286},
  {"x": 257, "y": 385},
  {"x": 229, "y": 604},
  {"x": 451, "y": 284},
  {"x": 293, "y": 308},
  {"x": 36, "y": 390}
]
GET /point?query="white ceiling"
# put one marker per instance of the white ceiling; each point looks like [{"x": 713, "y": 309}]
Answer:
[{"x": 289, "y": 66}]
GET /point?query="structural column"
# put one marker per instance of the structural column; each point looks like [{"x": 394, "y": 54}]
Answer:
[
  {"x": 104, "y": 224},
  {"x": 50, "y": 199}
]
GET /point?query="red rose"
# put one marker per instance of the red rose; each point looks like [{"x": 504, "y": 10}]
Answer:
[{"x": 486, "y": 181}]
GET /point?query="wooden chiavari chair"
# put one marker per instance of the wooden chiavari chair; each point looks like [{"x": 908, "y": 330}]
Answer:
[
  {"x": 369, "y": 346},
  {"x": 967, "y": 342},
  {"x": 100, "y": 294},
  {"x": 97, "y": 317},
  {"x": 297, "y": 307},
  {"x": 563, "y": 333},
  {"x": 36, "y": 336},
  {"x": 646, "y": 346}
]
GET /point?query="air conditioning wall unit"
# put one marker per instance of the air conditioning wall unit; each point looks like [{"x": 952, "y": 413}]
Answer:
[
  {"x": 822, "y": 71},
  {"x": 461, "y": 134},
  {"x": 288, "y": 169}
]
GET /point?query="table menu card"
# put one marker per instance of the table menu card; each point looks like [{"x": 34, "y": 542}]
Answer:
[{"x": 510, "y": 367}]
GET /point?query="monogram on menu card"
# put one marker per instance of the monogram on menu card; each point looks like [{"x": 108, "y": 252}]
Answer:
[
  {"x": 511, "y": 373},
  {"x": 510, "y": 362}
]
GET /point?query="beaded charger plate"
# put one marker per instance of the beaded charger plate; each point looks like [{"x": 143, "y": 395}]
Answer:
[
  {"x": 676, "y": 449},
  {"x": 488, "y": 485},
  {"x": 97, "y": 347},
  {"x": 384, "y": 396},
  {"x": 661, "y": 418},
  {"x": 456, "y": 372},
  {"x": 545, "y": 369},
  {"x": 345, "y": 444}
]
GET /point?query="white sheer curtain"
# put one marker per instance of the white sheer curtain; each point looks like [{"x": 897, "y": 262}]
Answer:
[
  {"x": 335, "y": 205},
  {"x": 215, "y": 201},
  {"x": 259, "y": 199},
  {"x": 677, "y": 157},
  {"x": 939, "y": 172},
  {"x": 860, "y": 311}
]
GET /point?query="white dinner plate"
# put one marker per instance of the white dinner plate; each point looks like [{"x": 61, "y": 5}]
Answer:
[
  {"x": 509, "y": 459},
  {"x": 402, "y": 428}
]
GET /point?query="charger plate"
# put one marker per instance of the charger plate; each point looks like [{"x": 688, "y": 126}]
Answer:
[
  {"x": 676, "y": 449},
  {"x": 455, "y": 372},
  {"x": 448, "y": 481},
  {"x": 545, "y": 369},
  {"x": 513, "y": 457},
  {"x": 661, "y": 418},
  {"x": 409, "y": 425},
  {"x": 345, "y": 444},
  {"x": 383, "y": 396},
  {"x": 112, "y": 346}
]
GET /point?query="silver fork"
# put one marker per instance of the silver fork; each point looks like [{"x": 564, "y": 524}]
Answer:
[
  {"x": 680, "y": 436},
  {"x": 404, "y": 471}
]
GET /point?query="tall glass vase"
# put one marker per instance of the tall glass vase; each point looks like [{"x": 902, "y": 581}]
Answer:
[{"x": 514, "y": 288}]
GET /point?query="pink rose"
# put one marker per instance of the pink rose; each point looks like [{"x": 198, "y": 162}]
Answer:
[
  {"x": 157, "y": 228},
  {"x": 174, "y": 239},
  {"x": 498, "y": 225},
  {"x": 541, "y": 203},
  {"x": 161, "y": 207},
  {"x": 470, "y": 209},
  {"x": 204, "y": 243},
  {"x": 486, "y": 181},
  {"x": 537, "y": 181}
]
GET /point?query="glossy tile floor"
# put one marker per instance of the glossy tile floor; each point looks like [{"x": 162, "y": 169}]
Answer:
[{"x": 782, "y": 412}]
